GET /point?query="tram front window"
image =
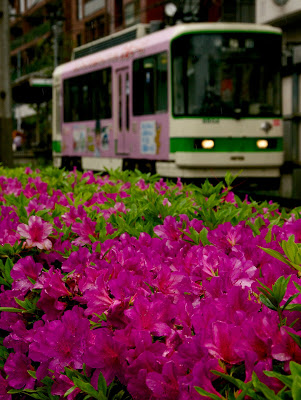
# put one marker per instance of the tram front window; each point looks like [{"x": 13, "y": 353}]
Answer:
[{"x": 229, "y": 74}]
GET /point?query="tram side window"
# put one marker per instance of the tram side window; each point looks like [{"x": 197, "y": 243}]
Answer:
[
  {"x": 150, "y": 84},
  {"x": 88, "y": 96},
  {"x": 102, "y": 94}
]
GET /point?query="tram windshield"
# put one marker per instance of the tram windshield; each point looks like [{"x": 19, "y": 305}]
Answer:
[{"x": 227, "y": 75}]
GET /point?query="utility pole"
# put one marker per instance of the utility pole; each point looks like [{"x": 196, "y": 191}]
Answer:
[{"x": 6, "y": 155}]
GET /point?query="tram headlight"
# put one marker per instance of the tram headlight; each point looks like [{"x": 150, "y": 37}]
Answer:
[
  {"x": 262, "y": 143},
  {"x": 207, "y": 144}
]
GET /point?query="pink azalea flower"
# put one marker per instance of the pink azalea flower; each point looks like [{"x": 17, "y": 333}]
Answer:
[
  {"x": 203, "y": 377},
  {"x": 137, "y": 372},
  {"x": 70, "y": 217},
  {"x": 34, "y": 205},
  {"x": 4, "y": 388},
  {"x": 97, "y": 198},
  {"x": 225, "y": 342},
  {"x": 161, "y": 186},
  {"x": 171, "y": 283},
  {"x": 98, "y": 298},
  {"x": 20, "y": 338},
  {"x": 8, "y": 224},
  {"x": 36, "y": 233},
  {"x": 164, "y": 386},
  {"x": 53, "y": 288},
  {"x": 91, "y": 178},
  {"x": 61, "y": 383},
  {"x": 28, "y": 171},
  {"x": 166, "y": 202},
  {"x": 62, "y": 342},
  {"x": 285, "y": 348},
  {"x": 23, "y": 269},
  {"x": 11, "y": 186},
  {"x": 230, "y": 197},
  {"x": 78, "y": 261},
  {"x": 152, "y": 315},
  {"x": 84, "y": 229},
  {"x": 142, "y": 185},
  {"x": 16, "y": 367},
  {"x": 170, "y": 229},
  {"x": 106, "y": 354},
  {"x": 118, "y": 207}
]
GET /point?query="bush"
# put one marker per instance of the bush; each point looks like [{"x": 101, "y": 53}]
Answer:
[{"x": 126, "y": 286}]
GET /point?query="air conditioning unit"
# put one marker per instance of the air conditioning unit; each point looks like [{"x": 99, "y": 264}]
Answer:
[{"x": 134, "y": 32}]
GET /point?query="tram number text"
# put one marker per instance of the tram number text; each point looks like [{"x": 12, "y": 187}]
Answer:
[{"x": 210, "y": 120}]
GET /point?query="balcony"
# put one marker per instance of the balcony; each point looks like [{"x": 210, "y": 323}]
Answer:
[
  {"x": 31, "y": 3},
  {"x": 44, "y": 65},
  {"x": 33, "y": 34}
]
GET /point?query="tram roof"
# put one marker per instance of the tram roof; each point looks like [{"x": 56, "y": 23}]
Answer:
[{"x": 130, "y": 49}]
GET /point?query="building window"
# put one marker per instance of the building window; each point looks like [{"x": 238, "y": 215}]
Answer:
[
  {"x": 238, "y": 11},
  {"x": 95, "y": 29},
  {"x": 22, "y": 6},
  {"x": 150, "y": 84},
  {"x": 118, "y": 13},
  {"x": 129, "y": 14},
  {"x": 79, "y": 9}
]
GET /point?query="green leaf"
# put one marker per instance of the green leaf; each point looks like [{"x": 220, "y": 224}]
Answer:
[
  {"x": 31, "y": 393},
  {"x": 237, "y": 382},
  {"x": 290, "y": 248},
  {"x": 73, "y": 373},
  {"x": 266, "y": 301},
  {"x": 69, "y": 391},
  {"x": 203, "y": 236},
  {"x": 7, "y": 268},
  {"x": 229, "y": 177},
  {"x": 280, "y": 257},
  {"x": 268, "y": 393},
  {"x": 296, "y": 388},
  {"x": 32, "y": 373},
  {"x": 11, "y": 309},
  {"x": 293, "y": 307},
  {"x": 28, "y": 305},
  {"x": 297, "y": 286},
  {"x": 101, "y": 384},
  {"x": 22, "y": 212},
  {"x": 295, "y": 368},
  {"x": 203, "y": 392},
  {"x": 279, "y": 288},
  {"x": 286, "y": 379},
  {"x": 86, "y": 387},
  {"x": 242, "y": 395},
  {"x": 289, "y": 300},
  {"x": 3, "y": 282},
  {"x": 297, "y": 339},
  {"x": 267, "y": 289},
  {"x": 13, "y": 391}
]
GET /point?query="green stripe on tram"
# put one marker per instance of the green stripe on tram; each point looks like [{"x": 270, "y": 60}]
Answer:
[
  {"x": 225, "y": 144},
  {"x": 56, "y": 146}
]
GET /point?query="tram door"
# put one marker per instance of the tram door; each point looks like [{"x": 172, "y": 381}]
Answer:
[{"x": 122, "y": 109}]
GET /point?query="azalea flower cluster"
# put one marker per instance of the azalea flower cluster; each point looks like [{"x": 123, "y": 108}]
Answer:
[{"x": 155, "y": 310}]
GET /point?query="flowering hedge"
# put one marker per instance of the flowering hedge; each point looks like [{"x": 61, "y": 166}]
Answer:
[{"x": 125, "y": 286}]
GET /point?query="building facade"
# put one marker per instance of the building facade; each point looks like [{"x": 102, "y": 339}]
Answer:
[{"x": 286, "y": 14}]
